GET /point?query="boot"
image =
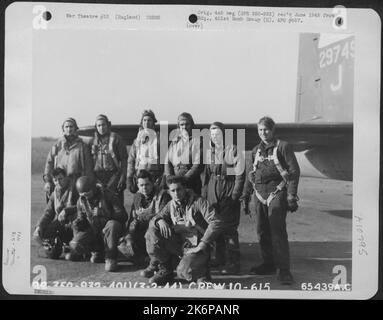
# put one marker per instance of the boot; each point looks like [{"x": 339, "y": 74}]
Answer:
[
  {"x": 231, "y": 268},
  {"x": 216, "y": 263},
  {"x": 72, "y": 256},
  {"x": 232, "y": 265},
  {"x": 163, "y": 276},
  {"x": 111, "y": 265},
  {"x": 53, "y": 248},
  {"x": 150, "y": 270},
  {"x": 285, "y": 277},
  {"x": 66, "y": 248},
  {"x": 263, "y": 269},
  {"x": 219, "y": 259},
  {"x": 205, "y": 278}
]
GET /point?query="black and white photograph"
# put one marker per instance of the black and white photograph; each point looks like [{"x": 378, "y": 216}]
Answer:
[{"x": 191, "y": 151}]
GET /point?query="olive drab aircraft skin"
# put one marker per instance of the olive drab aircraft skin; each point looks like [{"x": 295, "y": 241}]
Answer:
[
  {"x": 325, "y": 93},
  {"x": 322, "y": 134},
  {"x": 325, "y": 87}
]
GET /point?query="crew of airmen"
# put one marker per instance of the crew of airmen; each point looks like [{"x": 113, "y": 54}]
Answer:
[{"x": 185, "y": 210}]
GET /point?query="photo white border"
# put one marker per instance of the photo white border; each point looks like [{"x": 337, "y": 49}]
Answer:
[{"x": 365, "y": 24}]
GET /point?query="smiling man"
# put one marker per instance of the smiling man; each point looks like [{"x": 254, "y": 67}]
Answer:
[
  {"x": 54, "y": 230},
  {"x": 147, "y": 202},
  {"x": 184, "y": 228},
  {"x": 274, "y": 180}
]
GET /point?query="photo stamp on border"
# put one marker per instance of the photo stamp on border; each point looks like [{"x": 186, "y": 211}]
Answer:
[{"x": 191, "y": 151}]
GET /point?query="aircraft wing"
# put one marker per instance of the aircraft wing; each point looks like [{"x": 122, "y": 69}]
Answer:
[{"x": 302, "y": 136}]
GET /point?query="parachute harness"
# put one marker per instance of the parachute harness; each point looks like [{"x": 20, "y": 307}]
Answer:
[{"x": 284, "y": 174}]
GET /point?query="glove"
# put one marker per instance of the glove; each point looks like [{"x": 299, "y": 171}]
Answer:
[
  {"x": 80, "y": 224},
  {"x": 202, "y": 246},
  {"x": 131, "y": 185},
  {"x": 100, "y": 186},
  {"x": 292, "y": 203},
  {"x": 62, "y": 216},
  {"x": 126, "y": 247},
  {"x": 133, "y": 227},
  {"x": 121, "y": 184},
  {"x": 48, "y": 187}
]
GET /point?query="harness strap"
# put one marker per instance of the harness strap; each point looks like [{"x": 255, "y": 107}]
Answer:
[
  {"x": 82, "y": 158},
  {"x": 112, "y": 138},
  {"x": 271, "y": 195},
  {"x": 96, "y": 146},
  {"x": 284, "y": 174},
  {"x": 150, "y": 155},
  {"x": 55, "y": 152}
]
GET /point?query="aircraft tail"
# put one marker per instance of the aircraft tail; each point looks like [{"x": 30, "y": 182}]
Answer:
[{"x": 325, "y": 84}]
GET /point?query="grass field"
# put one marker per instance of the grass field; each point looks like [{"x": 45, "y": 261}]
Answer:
[
  {"x": 319, "y": 234},
  {"x": 40, "y": 149}
]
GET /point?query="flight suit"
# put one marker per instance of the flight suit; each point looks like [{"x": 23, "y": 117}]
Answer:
[
  {"x": 74, "y": 157},
  {"x": 191, "y": 222},
  {"x": 222, "y": 189},
  {"x": 110, "y": 163},
  {"x": 144, "y": 154},
  {"x": 51, "y": 229},
  {"x": 98, "y": 226},
  {"x": 184, "y": 158},
  {"x": 142, "y": 211},
  {"x": 270, "y": 202}
]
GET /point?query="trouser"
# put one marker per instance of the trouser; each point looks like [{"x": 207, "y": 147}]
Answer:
[
  {"x": 227, "y": 244},
  {"x": 162, "y": 250},
  {"x": 227, "y": 248},
  {"x": 110, "y": 180},
  {"x": 133, "y": 245},
  {"x": 96, "y": 240},
  {"x": 271, "y": 230}
]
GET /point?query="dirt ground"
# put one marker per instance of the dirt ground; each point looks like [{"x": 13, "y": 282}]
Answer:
[{"x": 319, "y": 233}]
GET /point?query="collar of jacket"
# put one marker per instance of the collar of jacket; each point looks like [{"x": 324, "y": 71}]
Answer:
[
  {"x": 143, "y": 137},
  {"x": 189, "y": 199},
  {"x": 179, "y": 136},
  {"x": 98, "y": 138},
  {"x": 264, "y": 146},
  {"x": 225, "y": 149},
  {"x": 61, "y": 190},
  {"x": 74, "y": 142},
  {"x": 149, "y": 198}
]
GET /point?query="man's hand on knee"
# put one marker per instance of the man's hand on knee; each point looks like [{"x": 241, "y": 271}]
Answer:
[
  {"x": 202, "y": 246},
  {"x": 165, "y": 229}
]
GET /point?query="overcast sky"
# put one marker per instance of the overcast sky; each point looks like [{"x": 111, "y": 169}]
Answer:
[{"x": 216, "y": 76}]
